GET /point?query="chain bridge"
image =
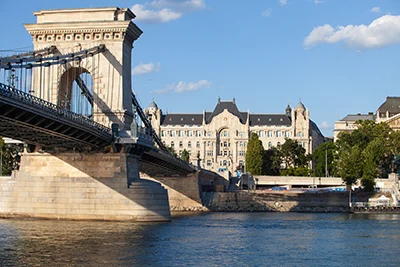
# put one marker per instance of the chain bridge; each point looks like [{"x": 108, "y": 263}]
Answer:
[{"x": 70, "y": 101}]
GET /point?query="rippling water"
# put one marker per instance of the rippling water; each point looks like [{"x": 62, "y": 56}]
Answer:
[{"x": 207, "y": 239}]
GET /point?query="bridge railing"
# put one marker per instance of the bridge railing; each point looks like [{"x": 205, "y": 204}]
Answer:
[{"x": 18, "y": 95}]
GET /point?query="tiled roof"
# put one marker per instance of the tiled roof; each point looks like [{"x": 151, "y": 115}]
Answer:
[
  {"x": 182, "y": 119},
  {"x": 356, "y": 117},
  {"x": 228, "y": 105},
  {"x": 392, "y": 104},
  {"x": 269, "y": 119}
]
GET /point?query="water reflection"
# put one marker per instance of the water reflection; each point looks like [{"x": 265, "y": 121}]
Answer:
[{"x": 208, "y": 239}]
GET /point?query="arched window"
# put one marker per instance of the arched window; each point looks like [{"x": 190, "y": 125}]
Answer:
[
  {"x": 180, "y": 144},
  {"x": 225, "y": 133},
  {"x": 269, "y": 144},
  {"x": 197, "y": 144},
  {"x": 172, "y": 144},
  {"x": 189, "y": 144}
]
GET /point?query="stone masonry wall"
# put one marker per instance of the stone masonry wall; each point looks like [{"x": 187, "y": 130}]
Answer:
[
  {"x": 251, "y": 201},
  {"x": 81, "y": 186}
]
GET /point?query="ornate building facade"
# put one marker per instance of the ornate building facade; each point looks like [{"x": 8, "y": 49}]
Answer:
[
  {"x": 388, "y": 111},
  {"x": 218, "y": 139}
]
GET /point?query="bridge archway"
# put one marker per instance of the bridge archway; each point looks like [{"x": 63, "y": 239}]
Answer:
[{"x": 75, "y": 89}]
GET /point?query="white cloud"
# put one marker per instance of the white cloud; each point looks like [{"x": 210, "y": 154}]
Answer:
[
  {"x": 146, "y": 68},
  {"x": 283, "y": 2},
  {"x": 325, "y": 125},
  {"x": 318, "y": 2},
  {"x": 381, "y": 32},
  {"x": 267, "y": 12},
  {"x": 161, "y": 11},
  {"x": 154, "y": 16},
  {"x": 376, "y": 9},
  {"x": 184, "y": 86}
]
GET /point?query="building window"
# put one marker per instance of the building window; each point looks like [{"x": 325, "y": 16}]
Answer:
[
  {"x": 208, "y": 162},
  {"x": 287, "y": 134},
  {"x": 278, "y": 144},
  {"x": 197, "y": 144},
  {"x": 198, "y": 133},
  {"x": 181, "y": 133},
  {"x": 209, "y": 133},
  {"x": 241, "y": 143},
  {"x": 164, "y": 133},
  {"x": 300, "y": 134},
  {"x": 279, "y": 133},
  {"x": 180, "y": 144},
  {"x": 209, "y": 143},
  {"x": 241, "y": 153},
  {"x": 269, "y": 144},
  {"x": 173, "y": 133},
  {"x": 269, "y": 133},
  {"x": 241, "y": 134},
  {"x": 172, "y": 144},
  {"x": 189, "y": 144},
  {"x": 190, "y": 133},
  {"x": 209, "y": 153},
  {"x": 262, "y": 133},
  {"x": 225, "y": 133},
  {"x": 180, "y": 153},
  {"x": 225, "y": 153}
]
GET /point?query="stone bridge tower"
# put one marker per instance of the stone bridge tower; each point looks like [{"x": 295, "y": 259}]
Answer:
[{"x": 73, "y": 30}]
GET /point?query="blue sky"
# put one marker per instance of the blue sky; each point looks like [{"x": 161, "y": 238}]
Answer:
[{"x": 337, "y": 56}]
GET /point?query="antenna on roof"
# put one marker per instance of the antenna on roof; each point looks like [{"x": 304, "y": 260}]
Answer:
[{"x": 219, "y": 100}]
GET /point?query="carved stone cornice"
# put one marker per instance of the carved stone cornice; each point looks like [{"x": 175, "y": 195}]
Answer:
[{"x": 84, "y": 31}]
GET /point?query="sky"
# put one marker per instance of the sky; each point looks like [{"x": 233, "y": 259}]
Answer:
[{"x": 338, "y": 57}]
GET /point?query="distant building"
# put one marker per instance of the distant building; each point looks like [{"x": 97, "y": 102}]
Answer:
[
  {"x": 218, "y": 139},
  {"x": 347, "y": 124},
  {"x": 388, "y": 112}
]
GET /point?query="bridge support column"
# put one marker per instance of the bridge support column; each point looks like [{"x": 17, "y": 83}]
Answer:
[{"x": 84, "y": 186}]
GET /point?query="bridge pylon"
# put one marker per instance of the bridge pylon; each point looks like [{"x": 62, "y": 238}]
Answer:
[{"x": 74, "y": 30}]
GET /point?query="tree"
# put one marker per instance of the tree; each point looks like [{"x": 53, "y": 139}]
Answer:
[
  {"x": 349, "y": 165},
  {"x": 293, "y": 154},
  {"x": 321, "y": 155},
  {"x": 185, "y": 155},
  {"x": 10, "y": 157},
  {"x": 272, "y": 161},
  {"x": 255, "y": 155},
  {"x": 372, "y": 154}
]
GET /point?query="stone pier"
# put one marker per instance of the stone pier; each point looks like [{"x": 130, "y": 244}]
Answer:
[{"x": 82, "y": 186}]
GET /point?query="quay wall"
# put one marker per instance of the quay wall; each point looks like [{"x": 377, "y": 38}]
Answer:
[
  {"x": 277, "y": 201},
  {"x": 82, "y": 187}
]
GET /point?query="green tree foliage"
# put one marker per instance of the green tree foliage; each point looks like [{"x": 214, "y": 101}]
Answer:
[
  {"x": 272, "y": 161},
  {"x": 293, "y": 154},
  {"x": 9, "y": 157},
  {"x": 255, "y": 155},
  {"x": 375, "y": 145},
  {"x": 323, "y": 154},
  {"x": 350, "y": 164},
  {"x": 172, "y": 151},
  {"x": 185, "y": 155}
]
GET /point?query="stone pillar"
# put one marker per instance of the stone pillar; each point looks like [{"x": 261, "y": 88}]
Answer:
[
  {"x": 74, "y": 30},
  {"x": 82, "y": 186}
]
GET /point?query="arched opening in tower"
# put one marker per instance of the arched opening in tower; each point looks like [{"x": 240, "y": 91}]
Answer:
[{"x": 76, "y": 91}]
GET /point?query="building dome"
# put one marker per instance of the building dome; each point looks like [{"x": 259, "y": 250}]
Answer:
[
  {"x": 153, "y": 105},
  {"x": 300, "y": 105}
]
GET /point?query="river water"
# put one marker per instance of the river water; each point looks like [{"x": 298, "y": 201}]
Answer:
[{"x": 207, "y": 239}]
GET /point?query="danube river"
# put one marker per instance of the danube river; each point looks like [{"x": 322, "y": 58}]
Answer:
[{"x": 207, "y": 239}]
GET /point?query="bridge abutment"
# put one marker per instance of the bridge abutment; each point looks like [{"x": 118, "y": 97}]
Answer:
[{"x": 82, "y": 186}]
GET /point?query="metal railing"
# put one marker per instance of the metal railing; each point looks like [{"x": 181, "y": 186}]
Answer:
[{"x": 20, "y": 96}]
